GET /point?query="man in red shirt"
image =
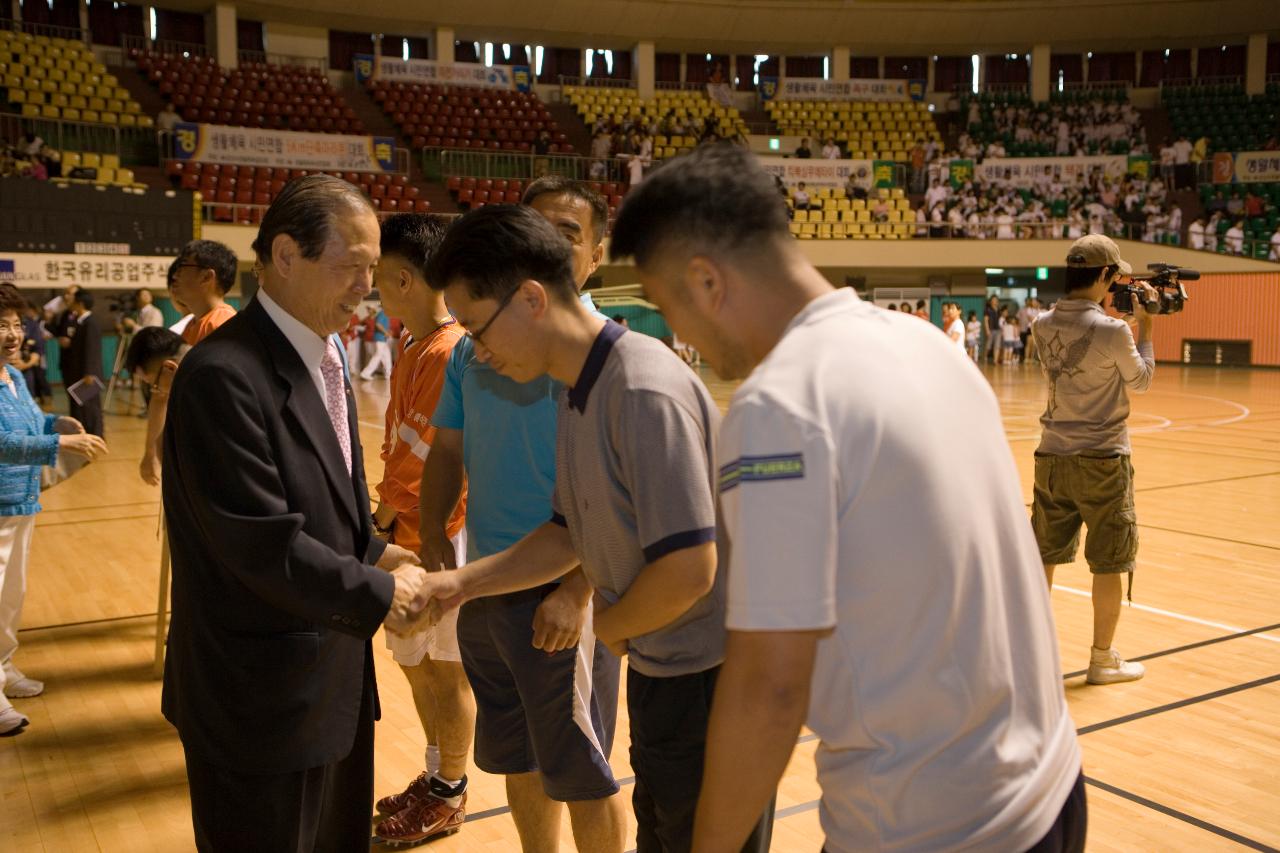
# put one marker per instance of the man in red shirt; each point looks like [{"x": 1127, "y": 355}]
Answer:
[{"x": 433, "y": 804}]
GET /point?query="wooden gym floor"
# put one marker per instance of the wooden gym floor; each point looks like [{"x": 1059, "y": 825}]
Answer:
[{"x": 1186, "y": 759}]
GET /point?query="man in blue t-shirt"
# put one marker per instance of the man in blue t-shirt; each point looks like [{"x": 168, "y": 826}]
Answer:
[{"x": 535, "y": 647}]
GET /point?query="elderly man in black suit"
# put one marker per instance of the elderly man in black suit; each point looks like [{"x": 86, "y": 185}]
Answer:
[{"x": 278, "y": 584}]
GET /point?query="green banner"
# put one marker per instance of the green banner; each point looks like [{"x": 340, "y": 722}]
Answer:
[
  {"x": 1140, "y": 166},
  {"x": 882, "y": 172},
  {"x": 961, "y": 171}
]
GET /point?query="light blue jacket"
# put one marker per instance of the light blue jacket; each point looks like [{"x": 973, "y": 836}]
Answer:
[{"x": 27, "y": 442}]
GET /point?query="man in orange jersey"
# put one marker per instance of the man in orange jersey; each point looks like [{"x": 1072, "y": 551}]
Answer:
[
  {"x": 433, "y": 803},
  {"x": 198, "y": 281}
]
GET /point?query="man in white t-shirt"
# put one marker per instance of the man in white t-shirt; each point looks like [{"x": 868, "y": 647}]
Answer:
[
  {"x": 1275, "y": 245},
  {"x": 880, "y": 586},
  {"x": 953, "y": 325},
  {"x": 1195, "y": 233}
]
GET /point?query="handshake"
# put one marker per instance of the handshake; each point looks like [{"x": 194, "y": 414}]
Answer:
[{"x": 421, "y": 597}]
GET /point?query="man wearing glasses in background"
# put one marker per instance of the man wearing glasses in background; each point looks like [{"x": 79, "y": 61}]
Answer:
[
  {"x": 546, "y": 690},
  {"x": 198, "y": 282}
]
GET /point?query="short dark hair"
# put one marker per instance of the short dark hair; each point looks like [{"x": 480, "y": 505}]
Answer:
[
  {"x": 305, "y": 210},
  {"x": 560, "y": 185},
  {"x": 414, "y": 237},
  {"x": 151, "y": 342},
  {"x": 85, "y": 298},
  {"x": 716, "y": 198},
  {"x": 212, "y": 255},
  {"x": 11, "y": 299},
  {"x": 1083, "y": 278},
  {"x": 495, "y": 248}
]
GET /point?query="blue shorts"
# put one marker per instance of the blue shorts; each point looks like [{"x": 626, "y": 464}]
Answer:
[{"x": 550, "y": 713}]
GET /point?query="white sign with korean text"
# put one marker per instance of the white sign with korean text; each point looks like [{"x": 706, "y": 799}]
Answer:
[
  {"x": 818, "y": 89},
  {"x": 96, "y": 272},
  {"x": 820, "y": 173},
  {"x": 1030, "y": 171}
]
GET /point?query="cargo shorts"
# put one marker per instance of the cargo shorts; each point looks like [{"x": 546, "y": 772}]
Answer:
[{"x": 1090, "y": 490}]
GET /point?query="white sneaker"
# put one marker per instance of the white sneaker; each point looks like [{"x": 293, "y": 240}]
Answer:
[
  {"x": 1107, "y": 667},
  {"x": 11, "y": 720},
  {"x": 23, "y": 688},
  {"x": 18, "y": 686}
]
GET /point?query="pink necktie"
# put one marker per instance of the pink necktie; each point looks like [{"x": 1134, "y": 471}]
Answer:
[{"x": 335, "y": 400}]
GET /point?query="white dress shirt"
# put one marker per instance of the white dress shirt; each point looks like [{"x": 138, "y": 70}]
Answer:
[{"x": 309, "y": 346}]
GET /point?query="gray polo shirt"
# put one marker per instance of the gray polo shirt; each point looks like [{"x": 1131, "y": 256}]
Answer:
[{"x": 635, "y": 474}]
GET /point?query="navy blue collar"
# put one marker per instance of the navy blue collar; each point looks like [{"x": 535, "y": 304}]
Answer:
[{"x": 594, "y": 364}]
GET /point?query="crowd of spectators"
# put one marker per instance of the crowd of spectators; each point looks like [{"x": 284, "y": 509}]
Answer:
[
  {"x": 30, "y": 157},
  {"x": 1052, "y": 129}
]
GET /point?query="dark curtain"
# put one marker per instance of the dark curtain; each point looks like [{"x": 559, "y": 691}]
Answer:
[
  {"x": 666, "y": 68},
  {"x": 1273, "y": 58},
  {"x": 804, "y": 66},
  {"x": 465, "y": 51},
  {"x": 1001, "y": 69},
  {"x": 249, "y": 35},
  {"x": 864, "y": 67},
  {"x": 906, "y": 67},
  {"x": 698, "y": 68},
  {"x": 65, "y": 13},
  {"x": 1071, "y": 66},
  {"x": 1217, "y": 62},
  {"x": 33, "y": 12},
  {"x": 953, "y": 72},
  {"x": 185, "y": 27},
  {"x": 744, "y": 70},
  {"x": 344, "y": 45},
  {"x": 622, "y": 65},
  {"x": 1113, "y": 68},
  {"x": 558, "y": 61},
  {"x": 1156, "y": 67}
]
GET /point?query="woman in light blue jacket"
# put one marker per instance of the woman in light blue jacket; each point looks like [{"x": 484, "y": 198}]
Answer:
[{"x": 29, "y": 440}]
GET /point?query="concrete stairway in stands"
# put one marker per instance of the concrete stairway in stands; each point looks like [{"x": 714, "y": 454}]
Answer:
[
  {"x": 140, "y": 87},
  {"x": 377, "y": 123},
  {"x": 571, "y": 125}
]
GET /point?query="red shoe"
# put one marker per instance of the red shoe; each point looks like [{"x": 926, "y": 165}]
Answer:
[
  {"x": 426, "y": 819},
  {"x": 396, "y": 803}
]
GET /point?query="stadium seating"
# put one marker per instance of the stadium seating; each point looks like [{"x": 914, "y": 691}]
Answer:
[
  {"x": 431, "y": 116},
  {"x": 107, "y": 166},
  {"x": 1225, "y": 114},
  {"x": 253, "y": 95},
  {"x": 60, "y": 79},
  {"x": 243, "y": 193},
  {"x": 882, "y": 130},
  {"x": 990, "y": 128},
  {"x": 471, "y": 193},
  {"x": 1257, "y": 229},
  {"x": 833, "y": 216},
  {"x": 621, "y": 105}
]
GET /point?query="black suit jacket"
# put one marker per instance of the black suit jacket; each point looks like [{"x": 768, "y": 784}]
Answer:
[
  {"x": 84, "y": 356},
  {"x": 274, "y": 600}
]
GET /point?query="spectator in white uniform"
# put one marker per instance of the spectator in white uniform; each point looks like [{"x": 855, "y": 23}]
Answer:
[{"x": 880, "y": 586}]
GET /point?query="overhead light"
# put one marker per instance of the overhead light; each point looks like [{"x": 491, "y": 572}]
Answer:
[{"x": 994, "y": 271}]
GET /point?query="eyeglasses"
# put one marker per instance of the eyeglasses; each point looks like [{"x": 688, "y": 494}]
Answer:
[{"x": 506, "y": 300}]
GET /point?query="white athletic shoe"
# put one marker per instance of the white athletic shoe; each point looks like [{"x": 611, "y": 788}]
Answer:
[
  {"x": 18, "y": 686},
  {"x": 11, "y": 720},
  {"x": 1107, "y": 667}
]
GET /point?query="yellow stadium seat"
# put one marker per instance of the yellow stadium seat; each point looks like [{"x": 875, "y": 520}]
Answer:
[
  {"x": 30, "y": 111},
  {"x": 111, "y": 161},
  {"x": 105, "y": 176},
  {"x": 109, "y": 118},
  {"x": 91, "y": 159},
  {"x": 128, "y": 120},
  {"x": 124, "y": 177},
  {"x": 802, "y": 216},
  {"x": 50, "y": 111},
  {"x": 17, "y": 96},
  {"x": 89, "y": 115}
]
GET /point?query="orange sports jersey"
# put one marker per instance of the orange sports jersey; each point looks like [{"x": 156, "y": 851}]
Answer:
[
  {"x": 201, "y": 327},
  {"x": 416, "y": 382}
]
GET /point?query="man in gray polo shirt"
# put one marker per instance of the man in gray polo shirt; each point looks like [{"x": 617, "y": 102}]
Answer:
[{"x": 634, "y": 500}]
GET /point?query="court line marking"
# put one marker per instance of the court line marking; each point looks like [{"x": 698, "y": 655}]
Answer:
[
  {"x": 1207, "y": 482},
  {"x": 1174, "y": 706},
  {"x": 1179, "y": 815},
  {"x": 1188, "y": 647},
  {"x": 1235, "y": 629},
  {"x": 1211, "y": 536}
]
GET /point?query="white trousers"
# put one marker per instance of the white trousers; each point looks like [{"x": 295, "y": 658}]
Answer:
[
  {"x": 381, "y": 357},
  {"x": 353, "y": 356},
  {"x": 15, "y": 547}
]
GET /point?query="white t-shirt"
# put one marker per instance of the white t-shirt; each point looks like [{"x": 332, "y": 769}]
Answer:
[
  {"x": 1195, "y": 235},
  {"x": 1182, "y": 152},
  {"x": 955, "y": 332},
  {"x": 937, "y": 698},
  {"x": 1275, "y": 246}
]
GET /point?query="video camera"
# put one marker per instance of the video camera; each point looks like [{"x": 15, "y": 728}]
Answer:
[{"x": 1166, "y": 279}]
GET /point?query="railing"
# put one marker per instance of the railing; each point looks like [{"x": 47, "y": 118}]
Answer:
[
  {"x": 1201, "y": 82},
  {"x": 251, "y": 214},
  {"x": 319, "y": 64},
  {"x": 71, "y": 33},
  {"x": 1096, "y": 85},
  {"x": 679, "y": 86},
  {"x": 440, "y": 163},
  {"x": 167, "y": 47},
  {"x": 597, "y": 82},
  {"x": 64, "y": 135}
]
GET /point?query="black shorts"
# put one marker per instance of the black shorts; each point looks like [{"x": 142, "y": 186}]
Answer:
[{"x": 550, "y": 713}]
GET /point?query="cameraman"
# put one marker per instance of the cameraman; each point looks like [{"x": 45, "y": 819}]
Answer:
[{"x": 1083, "y": 472}]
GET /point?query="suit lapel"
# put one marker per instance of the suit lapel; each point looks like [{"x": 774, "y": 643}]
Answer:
[{"x": 308, "y": 410}]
